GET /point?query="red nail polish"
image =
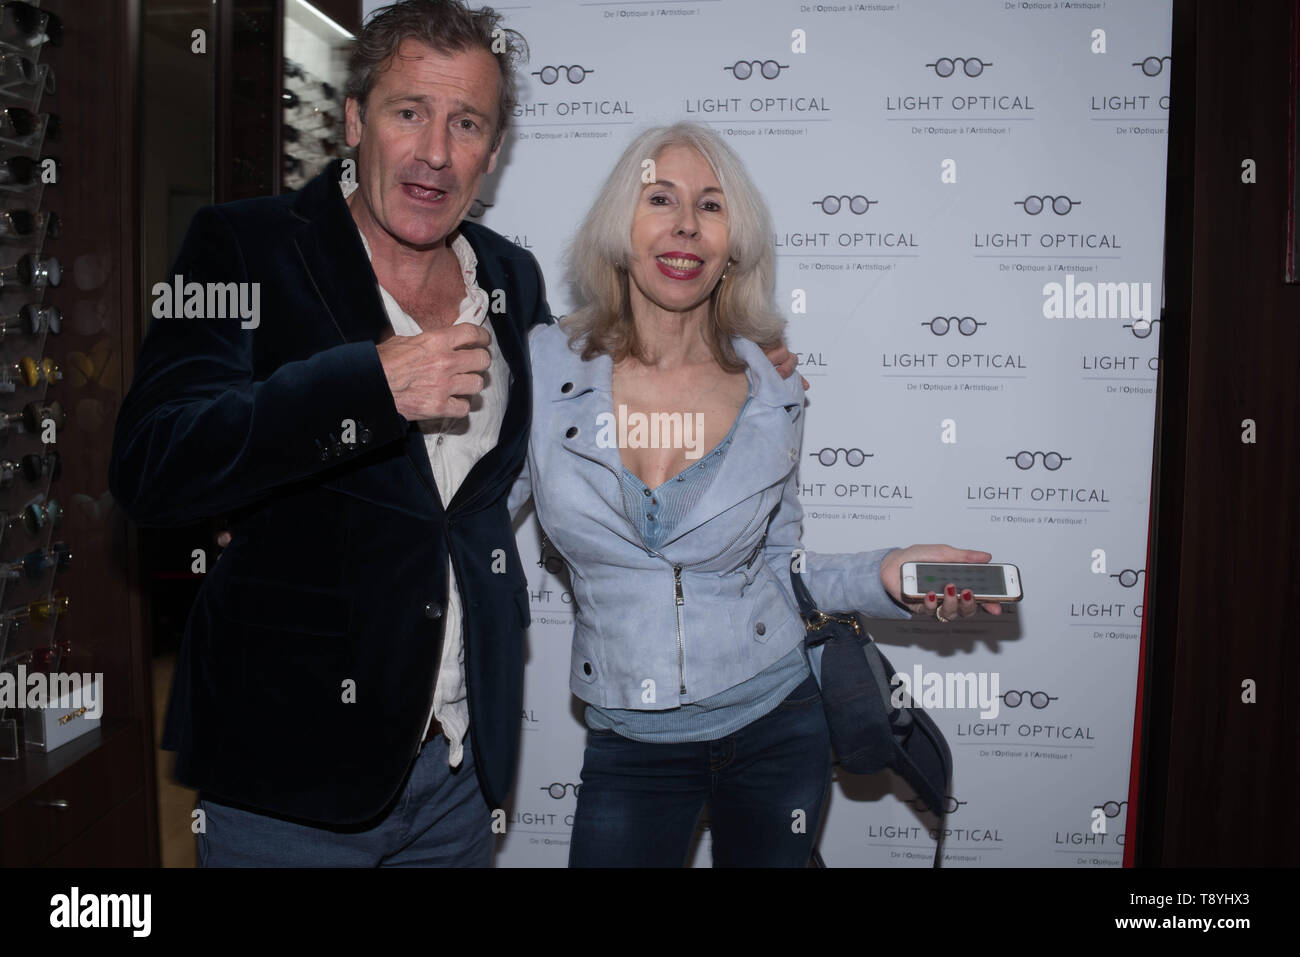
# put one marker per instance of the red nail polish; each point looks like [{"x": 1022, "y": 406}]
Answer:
[
  {"x": 967, "y": 595},
  {"x": 951, "y": 591},
  {"x": 931, "y": 596}
]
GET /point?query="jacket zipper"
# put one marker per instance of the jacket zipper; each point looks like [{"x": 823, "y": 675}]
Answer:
[{"x": 679, "y": 600}]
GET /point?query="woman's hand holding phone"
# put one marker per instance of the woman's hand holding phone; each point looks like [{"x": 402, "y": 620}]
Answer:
[{"x": 946, "y": 603}]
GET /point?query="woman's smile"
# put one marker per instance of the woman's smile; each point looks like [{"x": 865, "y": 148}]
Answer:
[{"x": 679, "y": 265}]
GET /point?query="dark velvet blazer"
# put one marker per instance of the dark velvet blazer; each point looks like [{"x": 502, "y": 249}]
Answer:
[{"x": 309, "y": 660}]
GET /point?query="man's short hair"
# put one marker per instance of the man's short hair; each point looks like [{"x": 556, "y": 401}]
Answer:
[{"x": 447, "y": 26}]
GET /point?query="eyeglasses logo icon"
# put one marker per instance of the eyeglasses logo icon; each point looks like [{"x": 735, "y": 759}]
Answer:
[
  {"x": 1037, "y": 699},
  {"x": 558, "y": 790},
  {"x": 744, "y": 69},
  {"x": 1111, "y": 808},
  {"x": 950, "y": 803},
  {"x": 857, "y": 204},
  {"x": 946, "y": 66},
  {"x": 478, "y": 208},
  {"x": 552, "y": 563},
  {"x": 551, "y": 74},
  {"x": 854, "y": 457},
  {"x": 1154, "y": 65},
  {"x": 1142, "y": 328},
  {"x": 940, "y": 325},
  {"x": 1129, "y": 577},
  {"x": 1061, "y": 205},
  {"x": 1051, "y": 460}
]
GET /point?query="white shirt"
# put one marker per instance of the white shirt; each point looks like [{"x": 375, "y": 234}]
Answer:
[{"x": 454, "y": 445}]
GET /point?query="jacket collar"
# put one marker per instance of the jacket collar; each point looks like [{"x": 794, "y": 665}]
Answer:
[
  {"x": 764, "y": 446},
  {"x": 330, "y": 248},
  {"x": 597, "y": 375}
]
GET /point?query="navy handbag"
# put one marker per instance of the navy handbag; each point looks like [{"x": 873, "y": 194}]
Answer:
[{"x": 868, "y": 734}]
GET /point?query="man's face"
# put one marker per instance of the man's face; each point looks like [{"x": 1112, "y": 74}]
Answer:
[{"x": 426, "y": 143}]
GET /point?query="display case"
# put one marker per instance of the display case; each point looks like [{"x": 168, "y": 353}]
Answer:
[
  {"x": 314, "y": 68},
  {"x": 76, "y": 764}
]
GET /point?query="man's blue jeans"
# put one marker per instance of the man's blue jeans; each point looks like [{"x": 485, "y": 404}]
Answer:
[
  {"x": 766, "y": 787},
  {"x": 440, "y": 820}
]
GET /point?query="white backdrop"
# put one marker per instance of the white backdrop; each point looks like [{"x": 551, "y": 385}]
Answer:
[{"x": 1060, "y": 106}]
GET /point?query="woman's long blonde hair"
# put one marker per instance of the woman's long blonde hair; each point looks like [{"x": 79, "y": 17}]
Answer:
[{"x": 740, "y": 305}]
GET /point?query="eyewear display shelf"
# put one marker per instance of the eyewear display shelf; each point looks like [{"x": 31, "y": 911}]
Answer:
[{"x": 69, "y": 604}]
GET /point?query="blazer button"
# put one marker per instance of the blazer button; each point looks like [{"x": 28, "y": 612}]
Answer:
[
  {"x": 586, "y": 667},
  {"x": 573, "y": 430},
  {"x": 760, "y": 628},
  {"x": 433, "y": 610},
  {"x": 567, "y": 387}
]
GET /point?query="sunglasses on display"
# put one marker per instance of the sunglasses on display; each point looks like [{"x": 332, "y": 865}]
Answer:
[{"x": 32, "y": 25}]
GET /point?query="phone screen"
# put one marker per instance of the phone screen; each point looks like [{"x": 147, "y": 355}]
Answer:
[{"x": 980, "y": 579}]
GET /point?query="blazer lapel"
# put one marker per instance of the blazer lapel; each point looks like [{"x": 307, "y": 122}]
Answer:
[
  {"x": 331, "y": 251},
  {"x": 330, "y": 248}
]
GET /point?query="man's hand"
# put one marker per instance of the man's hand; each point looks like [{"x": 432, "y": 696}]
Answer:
[
  {"x": 433, "y": 375},
  {"x": 784, "y": 360}
]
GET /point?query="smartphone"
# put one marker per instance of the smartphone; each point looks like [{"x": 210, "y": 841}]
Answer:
[{"x": 990, "y": 581}]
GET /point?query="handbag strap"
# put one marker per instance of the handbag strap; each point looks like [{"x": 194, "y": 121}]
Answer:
[{"x": 807, "y": 607}]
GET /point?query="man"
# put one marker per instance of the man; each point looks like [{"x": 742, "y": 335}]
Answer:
[
  {"x": 306, "y": 680},
  {"x": 349, "y": 688}
]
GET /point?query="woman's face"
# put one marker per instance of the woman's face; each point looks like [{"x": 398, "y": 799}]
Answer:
[{"x": 679, "y": 233}]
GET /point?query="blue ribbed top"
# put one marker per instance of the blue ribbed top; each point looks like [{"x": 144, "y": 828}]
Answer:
[{"x": 657, "y": 511}]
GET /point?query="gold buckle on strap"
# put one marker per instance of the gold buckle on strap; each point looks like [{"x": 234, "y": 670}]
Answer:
[{"x": 819, "y": 619}]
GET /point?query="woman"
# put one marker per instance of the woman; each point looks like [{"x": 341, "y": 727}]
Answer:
[{"x": 662, "y": 464}]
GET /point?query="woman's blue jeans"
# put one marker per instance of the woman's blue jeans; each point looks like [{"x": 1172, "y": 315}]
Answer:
[{"x": 766, "y": 787}]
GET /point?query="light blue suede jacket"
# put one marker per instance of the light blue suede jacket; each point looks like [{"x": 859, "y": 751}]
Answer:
[{"x": 712, "y": 606}]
